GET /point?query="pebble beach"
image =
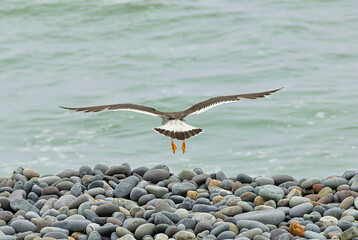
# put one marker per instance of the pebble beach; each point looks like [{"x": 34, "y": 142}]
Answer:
[{"x": 118, "y": 202}]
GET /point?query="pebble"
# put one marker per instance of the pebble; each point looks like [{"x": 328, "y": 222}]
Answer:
[
  {"x": 249, "y": 224},
  {"x": 301, "y": 209},
  {"x": 186, "y": 175},
  {"x": 156, "y": 190},
  {"x": 313, "y": 235},
  {"x": 275, "y": 216},
  {"x": 23, "y": 226},
  {"x": 279, "y": 179},
  {"x": 271, "y": 192},
  {"x": 125, "y": 186},
  {"x": 184, "y": 235},
  {"x": 119, "y": 203},
  {"x": 144, "y": 229},
  {"x": 156, "y": 175}
]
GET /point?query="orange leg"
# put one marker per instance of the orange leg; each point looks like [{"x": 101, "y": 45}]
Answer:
[
  {"x": 183, "y": 146},
  {"x": 173, "y": 146}
]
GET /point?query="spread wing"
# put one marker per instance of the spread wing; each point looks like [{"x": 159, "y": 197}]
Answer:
[
  {"x": 215, "y": 101},
  {"x": 120, "y": 107}
]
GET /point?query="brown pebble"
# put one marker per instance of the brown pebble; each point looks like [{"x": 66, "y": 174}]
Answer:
[
  {"x": 327, "y": 199},
  {"x": 312, "y": 197},
  {"x": 29, "y": 173},
  {"x": 214, "y": 183},
  {"x": 317, "y": 187},
  {"x": 219, "y": 215},
  {"x": 248, "y": 196},
  {"x": 296, "y": 229},
  {"x": 217, "y": 199},
  {"x": 162, "y": 205},
  {"x": 51, "y": 190},
  {"x": 231, "y": 211},
  {"x": 76, "y": 235},
  {"x": 236, "y": 186},
  {"x": 43, "y": 223},
  {"x": 10, "y": 183},
  {"x": 259, "y": 201},
  {"x": 192, "y": 194},
  {"x": 114, "y": 221},
  {"x": 6, "y": 215},
  {"x": 347, "y": 202},
  {"x": 346, "y": 193}
]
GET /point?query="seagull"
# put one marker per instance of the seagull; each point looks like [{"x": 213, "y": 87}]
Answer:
[{"x": 173, "y": 124}]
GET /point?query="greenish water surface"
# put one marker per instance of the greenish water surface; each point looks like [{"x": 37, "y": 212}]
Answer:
[{"x": 170, "y": 55}]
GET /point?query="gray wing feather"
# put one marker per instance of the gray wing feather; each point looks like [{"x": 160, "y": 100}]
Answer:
[
  {"x": 215, "y": 101},
  {"x": 119, "y": 107}
]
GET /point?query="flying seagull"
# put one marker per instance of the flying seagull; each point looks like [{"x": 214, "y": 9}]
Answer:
[{"x": 173, "y": 123}]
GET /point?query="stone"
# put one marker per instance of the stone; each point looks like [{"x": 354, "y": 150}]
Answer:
[
  {"x": 226, "y": 235},
  {"x": 220, "y": 228},
  {"x": 334, "y": 182},
  {"x": 349, "y": 233},
  {"x": 329, "y": 221},
  {"x": 243, "y": 178},
  {"x": 274, "y": 216},
  {"x": 251, "y": 233},
  {"x": 271, "y": 192},
  {"x": 297, "y": 200},
  {"x": 183, "y": 188},
  {"x": 156, "y": 190},
  {"x": 121, "y": 231},
  {"x": 184, "y": 235},
  {"x": 260, "y": 181},
  {"x": 136, "y": 193},
  {"x": 51, "y": 190},
  {"x": 313, "y": 235},
  {"x": 29, "y": 173},
  {"x": 125, "y": 186},
  {"x": 162, "y": 205},
  {"x": 300, "y": 210},
  {"x": 156, "y": 175},
  {"x": 296, "y": 229},
  {"x": 232, "y": 211},
  {"x": 279, "y": 179},
  {"x": 203, "y": 217},
  {"x": 310, "y": 182},
  {"x": 107, "y": 209},
  {"x": 133, "y": 223},
  {"x": 122, "y": 169},
  {"x": 54, "y": 235},
  {"x": 22, "y": 204},
  {"x": 202, "y": 226},
  {"x": 144, "y": 229},
  {"x": 65, "y": 200},
  {"x": 347, "y": 202},
  {"x": 94, "y": 235},
  {"x": 49, "y": 180},
  {"x": 53, "y": 229},
  {"x": 204, "y": 208},
  {"x": 23, "y": 226},
  {"x": 85, "y": 170},
  {"x": 214, "y": 183},
  {"x": 324, "y": 192},
  {"x": 72, "y": 225},
  {"x": 249, "y": 224},
  {"x": 6, "y": 215},
  {"x": 186, "y": 175}
]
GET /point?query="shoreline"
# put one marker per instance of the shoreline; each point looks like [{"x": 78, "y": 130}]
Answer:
[{"x": 103, "y": 202}]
